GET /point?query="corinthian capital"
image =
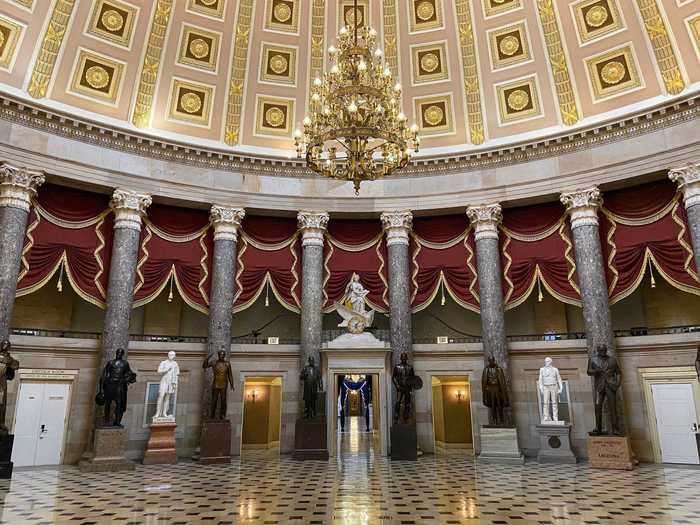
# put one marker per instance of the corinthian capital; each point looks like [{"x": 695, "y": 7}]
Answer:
[
  {"x": 485, "y": 219},
  {"x": 226, "y": 222},
  {"x": 397, "y": 225},
  {"x": 583, "y": 206},
  {"x": 313, "y": 225},
  {"x": 18, "y": 186},
  {"x": 129, "y": 208},
  {"x": 688, "y": 180}
]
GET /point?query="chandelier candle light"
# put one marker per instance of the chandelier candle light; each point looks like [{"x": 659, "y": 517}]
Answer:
[{"x": 355, "y": 129}]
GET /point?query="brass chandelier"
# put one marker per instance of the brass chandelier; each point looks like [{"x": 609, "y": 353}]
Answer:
[{"x": 355, "y": 129}]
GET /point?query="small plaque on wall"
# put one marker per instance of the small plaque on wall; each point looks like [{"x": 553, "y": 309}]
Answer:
[{"x": 273, "y": 340}]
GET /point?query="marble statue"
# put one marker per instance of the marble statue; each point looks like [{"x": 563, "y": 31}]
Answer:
[
  {"x": 223, "y": 379},
  {"x": 352, "y": 308},
  {"x": 550, "y": 385},
  {"x": 313, "y": 384},
  {"x": 114, "y": 383},
  {"x": 8, "y": 366},
  {"x": 170, "y": 371},
  {"x": 494, "y": 389},
  {"x": 405, "y": 382},
  {"x": 605, "y": 371}
]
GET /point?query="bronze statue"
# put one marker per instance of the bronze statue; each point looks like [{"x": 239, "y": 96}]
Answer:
[
  {"x": 405, "y": 381},
  {"x": 114, "y": 383},
  {"x": 494, "y": 390},
  {"x": 8, "y": 366},
  {"x": 605, "y": 371},
  {"x": 311, "y": 376},
  {"x": 223, "y": 378}
]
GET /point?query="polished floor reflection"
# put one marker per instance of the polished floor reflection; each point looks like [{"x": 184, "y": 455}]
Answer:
[
  {"x": 355, "y": 439},
  {"x": 356, "y": 489}
]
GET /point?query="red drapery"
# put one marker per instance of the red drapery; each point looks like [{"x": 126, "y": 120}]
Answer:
[
  {"x": 537, "y": 252},
  {"x": 268, "y": 255},
  {"x": 355, "y": 246},
  {"x": 643, "y": 226},
  {"x": 69, "y": 231},
  {"x": 444, "y": 255},
  {"x": 175, "y": 251}
]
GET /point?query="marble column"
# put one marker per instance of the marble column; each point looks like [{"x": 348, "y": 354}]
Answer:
[
  {"x": 583, "y": 206},
  {"x": 226, "y": 222},
  {"x": 397, "y": 227},
  {"x": 313, "y": 227},
  {"x": 688, "y": 180},
  {"x": 129, "y": 209},
  {"x": 17, "y": 188}
]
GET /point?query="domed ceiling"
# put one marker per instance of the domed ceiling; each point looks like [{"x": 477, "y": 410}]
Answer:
[{"x": 234, "y": 74}]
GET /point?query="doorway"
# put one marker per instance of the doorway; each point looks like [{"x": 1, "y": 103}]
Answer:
[
  {"x": 672, "y": 400},
  {"x": 262, "y": 414},
  {"x": 40, "y": 423},
  {"x": 452, "y": 419},
  {"x": 357, "y": 425}
]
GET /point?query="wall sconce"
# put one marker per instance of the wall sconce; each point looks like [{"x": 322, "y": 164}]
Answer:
[
  {"x": 460, "y": 395},
  {"x": 252, "y": 394}
]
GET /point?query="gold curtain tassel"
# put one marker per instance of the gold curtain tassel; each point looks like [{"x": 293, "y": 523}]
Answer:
[
  {"x": 442, "y": 290},
  {"x": 170, "y": 295},
  {"x": 59, "y": 284},
  {"x": 540, "y": 297},
  {"x": 651, "y": 274},
  {"x": 267, "y": 293}
]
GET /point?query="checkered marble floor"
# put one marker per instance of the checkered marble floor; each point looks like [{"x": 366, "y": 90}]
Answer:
[{"x": 355, "y": 489}]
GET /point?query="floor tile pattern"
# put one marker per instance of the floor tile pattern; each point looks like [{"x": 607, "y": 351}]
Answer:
[{"x": 353, "y": 489}]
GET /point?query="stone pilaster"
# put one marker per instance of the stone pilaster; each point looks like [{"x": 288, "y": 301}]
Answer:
[
  {"x": 17, "y": 188},
  {"x": 688, "y": 180},
  {"x": 583, "y": 206},
  {"x": 313, "y": 227},
  {"x": 129, "y": 209},
  {"x": 485, "y": 220},
  {"x": 226, "y": 222},
  {"x": 397, "y": 227}
]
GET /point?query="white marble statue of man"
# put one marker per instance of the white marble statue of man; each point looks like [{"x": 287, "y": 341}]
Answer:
[
  {"x": 550, "y": 384},
  {"x": 169, "y": 371}
]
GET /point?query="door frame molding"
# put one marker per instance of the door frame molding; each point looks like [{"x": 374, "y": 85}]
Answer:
[
  {"x": 665, "y": 375},
  {"x": 49, "y": 375}
]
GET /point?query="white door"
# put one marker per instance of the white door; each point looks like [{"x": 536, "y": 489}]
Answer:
[
  {"x": 40, "y": 423},
  {"x": 676, "y": 422}
]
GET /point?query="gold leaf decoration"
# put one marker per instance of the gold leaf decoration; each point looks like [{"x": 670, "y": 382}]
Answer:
[
  {"x": 471, "y": 72},
  {"x": 239, "y": 67}
]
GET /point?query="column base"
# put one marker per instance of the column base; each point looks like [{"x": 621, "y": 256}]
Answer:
[
  {"x": 110, "y": 444},
  {"x": 610, "y": 452},
  {"x": 404, "y": 442},
  {"x": 215, "y": 442},
  {"x": 310, "y": 442},
  {"x": 555, "y": 443},
  {"x": 6, "y": 465},
  {"x": 500, "y": 445},
  {"x": 160, "y": 449}
]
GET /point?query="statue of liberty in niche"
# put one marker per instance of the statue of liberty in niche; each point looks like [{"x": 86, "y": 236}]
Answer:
[{"x": 352, "y": 307}]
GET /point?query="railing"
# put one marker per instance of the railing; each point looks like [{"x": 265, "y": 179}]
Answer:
[
  {"x": 449, "y": 340},
  {"x": 643, "y": 330},
  {"x": 547, "y": 336}
]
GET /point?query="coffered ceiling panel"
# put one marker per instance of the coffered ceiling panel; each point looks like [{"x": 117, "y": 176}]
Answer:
[{"x": 235, "y": 74}]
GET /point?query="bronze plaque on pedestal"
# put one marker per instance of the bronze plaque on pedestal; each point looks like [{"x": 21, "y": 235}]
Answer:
[{"x": 610, "y": 452}]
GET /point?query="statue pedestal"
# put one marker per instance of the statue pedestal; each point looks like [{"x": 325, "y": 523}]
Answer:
[
  {"x": 610, "y": 452},
  {"x": 500, "y": 445},
  {"x": 160, "y": 449},
  {"x": 404, "y": 442},
  {"x": 215, "y": 442},
  {"x": 6, "y": 442},
  {"x": 310, "y": 439},
  {"x": 110, "y": 444},
  {"x": 555, "y": 443}
]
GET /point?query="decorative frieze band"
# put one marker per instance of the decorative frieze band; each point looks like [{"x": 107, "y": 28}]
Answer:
[
  {"x": 226, "y": 222},
  {"x": 397, "y": 226},
  {"x": 688, "y": 180},
  {"x": 18, "y": 186},
  {"x": 391, "y": 37},
  {"x": 485, "y": 220},
  {"x": 583, "y": 206},
  {"x": 313, "y": 226},
  {"x": 129, "y": 208},
  {"x": 470, "y": 66}
]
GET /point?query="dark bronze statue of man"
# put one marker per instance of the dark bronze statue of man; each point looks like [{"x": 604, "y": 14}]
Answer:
[
  {"x": 311, "y": 377},
  {"x": 605, "y": 371},
  {"x": 494, "y": 390},
  {"x": 8, "y": 366},
  {"x": 405, "y": 381},
  {"x": 114, "y": 383},
  {"x": 223, "y": 379}
]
